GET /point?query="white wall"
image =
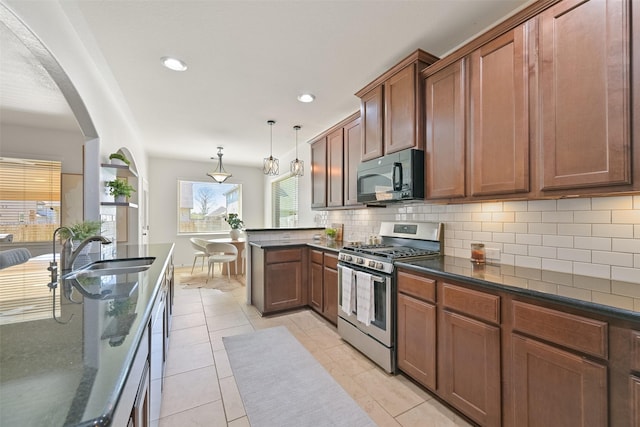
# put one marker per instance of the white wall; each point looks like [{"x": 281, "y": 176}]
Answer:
[{"x": 163, "y": 200}]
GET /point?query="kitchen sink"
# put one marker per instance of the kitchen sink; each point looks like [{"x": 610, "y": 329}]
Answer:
[{"x": 112, "y": 267}]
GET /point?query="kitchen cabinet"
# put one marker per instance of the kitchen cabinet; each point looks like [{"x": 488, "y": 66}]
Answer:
[
  {"x": 319, "y": 173},
  {"x": 554, "y": 350},
  {"x": 278, "y": 278},
  {"x": 499, "y": 115},
  {"x": 445, "y": 158},
  {"x": 469, "y": 352},
  {"x": 584, "y": 95},
  {"x": 416, "y": 323},
  {"x": 335, "y": 156},
  {"x": 323, "y": 283},
  {"x": 391, "y": 108}
]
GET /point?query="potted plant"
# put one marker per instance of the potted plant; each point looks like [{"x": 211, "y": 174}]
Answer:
[
  {"x": 235, "y": 223},
  {"x": 331, "y": 233},
  {"x": 81, "y": 230},
  {"x": 119, "y": 159},
  {"x": 120, "y": 189}
]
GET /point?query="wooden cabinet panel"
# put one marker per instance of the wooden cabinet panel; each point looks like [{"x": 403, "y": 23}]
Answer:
[
  {"x": 319, "y": 173},
  {"x": 400, "y": 96},
  {"x": 335, "y": 166},
  {"x": 417, "y": 286},
  {"x": 283, "y": 287},
  {"x": 635, "y": 351},
  {"x": 469, "y": 367},
  {"x": 315, "y": 285},
  {"x": 283, "y": 255},
  {"x": 330, "y": 297},
  {"x": 352, "y": 157},
  {"x": 635, "y": 400},
  {"x": 552, "y": 387},
  {"x": 575, "y": 332},
  {"x": 371, "y": 114},
  {"x": 417, "y": 339},
  {"x": 499, "y": 107},
  {"x": 585, "y": 94},
  {"x": 480, "y": 305},
  {"x": 446, "y": 132}
]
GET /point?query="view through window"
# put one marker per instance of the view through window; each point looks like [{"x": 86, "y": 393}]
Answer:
[
  {"x": 284, "y": 199},
  {"x": 203, "y": 206},
  {"x": 29, "y": 199}
]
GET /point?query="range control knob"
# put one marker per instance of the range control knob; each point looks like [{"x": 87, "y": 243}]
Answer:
[
  {"x": 360, "y": 261},
  {"x": 348, "y": 258},
  {"x": 372, "y": 264},
  {"x": 379, "y": 265}
]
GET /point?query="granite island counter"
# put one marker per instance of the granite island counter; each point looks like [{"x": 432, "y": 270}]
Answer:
[{"x": 81, "y": 358}]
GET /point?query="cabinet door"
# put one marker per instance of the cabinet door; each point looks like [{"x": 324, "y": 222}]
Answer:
[
  {"x": 371, "y": 110},
  {"x": 331, "y": 294},
  {"x": 499, "y": 135},
  {"x": 315, "y": 286},
  {"x": 635, "y": 400},
  {"x": 469, "y": 367},
  {"x": 319, "y": 173},
  {"x": 417, "y": 340},
  {"x": 584, "y": 94},
  {"x": 400, "y": 111},
  {"x": 552, "y": 387},
  {"x": 352, "y": 156},
  {"x": 334, "y": 168},
  {"x": 445, "y": 152},
  {"x": 283, "y": 288}
]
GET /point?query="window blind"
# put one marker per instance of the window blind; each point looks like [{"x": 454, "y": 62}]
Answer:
[{"x": 284, "y": 199}]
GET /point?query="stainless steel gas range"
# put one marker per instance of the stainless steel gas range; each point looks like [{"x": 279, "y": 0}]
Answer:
[{"x": 367, "y": 290}]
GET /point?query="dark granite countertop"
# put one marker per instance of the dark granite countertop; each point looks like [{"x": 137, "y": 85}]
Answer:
[
  {"x": 320, "y": 244},
  {"x": 602, "y": 296},
  {"x": 71, "y": 369}
]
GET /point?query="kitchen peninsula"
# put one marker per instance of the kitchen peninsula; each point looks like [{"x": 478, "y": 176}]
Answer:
[{"x": 85, "y": 357}]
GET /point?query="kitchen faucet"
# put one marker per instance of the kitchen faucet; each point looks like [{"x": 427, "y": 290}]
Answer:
[
  {"x": 68, "y": 254},
  {"x": 53, "y": 265}
]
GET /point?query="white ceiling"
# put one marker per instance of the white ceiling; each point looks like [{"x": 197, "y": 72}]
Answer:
[{"x": 248, "y": 60}]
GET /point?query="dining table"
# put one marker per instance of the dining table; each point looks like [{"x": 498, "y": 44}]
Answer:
[{"x": 239, "y": 244}]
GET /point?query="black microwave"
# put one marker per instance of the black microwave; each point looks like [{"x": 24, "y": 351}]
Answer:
[{"x": 396, "y": 177}]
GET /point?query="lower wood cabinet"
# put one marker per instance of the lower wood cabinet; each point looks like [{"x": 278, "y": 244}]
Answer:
[
  {"x": 277, "y": 278},
  {"x": 323, "y": 283}
]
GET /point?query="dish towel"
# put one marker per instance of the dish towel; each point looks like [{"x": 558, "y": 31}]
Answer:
[
  {"x": 364, "y": 295},
  {"x": 348, "y": 300}
]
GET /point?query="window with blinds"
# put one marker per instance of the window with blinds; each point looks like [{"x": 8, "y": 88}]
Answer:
[
  {"x": 29, "y": 198},
  {"x": 284, "y": 200}
]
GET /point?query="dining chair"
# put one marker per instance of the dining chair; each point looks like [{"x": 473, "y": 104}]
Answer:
[
  {"x": 221, "y": 253},
  {"x": 201, "y": 251}
]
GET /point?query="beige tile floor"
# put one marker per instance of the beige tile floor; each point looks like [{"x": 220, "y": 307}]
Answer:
[{"x": 200, "y": 390}]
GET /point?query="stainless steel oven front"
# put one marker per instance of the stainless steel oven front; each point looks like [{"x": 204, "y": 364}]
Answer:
[{"x": 376, "y": 340}]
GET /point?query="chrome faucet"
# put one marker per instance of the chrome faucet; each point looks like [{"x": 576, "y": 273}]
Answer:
[
  {"x": 69, "y": 254},
  {"x": 53, "y": 265}
]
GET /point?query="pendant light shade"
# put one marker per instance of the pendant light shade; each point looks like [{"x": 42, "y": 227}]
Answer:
[
  {"x": 219, "y": 175},
  {"x": 271, "y": 164},
  {"x": 297, "y": 165}
]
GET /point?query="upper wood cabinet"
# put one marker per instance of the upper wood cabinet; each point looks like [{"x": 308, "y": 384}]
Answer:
[
  {"x": 445, "y": 93},
  {"x": 584, "y": 66},
  {"x": 499, "y": 120},
  {"x": 335, "y": 156},
  {"x": 391, "y": 107},
  {"x": 319, "y": 173}
]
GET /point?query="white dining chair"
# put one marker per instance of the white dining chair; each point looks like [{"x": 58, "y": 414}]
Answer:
[
  {"x": 200, "y": 251},
  {"x": 221, "y": 253}
]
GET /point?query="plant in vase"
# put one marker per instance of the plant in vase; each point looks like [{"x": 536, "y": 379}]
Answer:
[
  {"x": 331, "y": 233},
  {"x": 82, "y": 230},
  {"x": 120, "y": 189},
  {"x": 119, "y": 159},
  {"x": 235, "y": 223}
]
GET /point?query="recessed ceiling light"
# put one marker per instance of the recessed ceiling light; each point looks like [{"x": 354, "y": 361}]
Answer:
[
  {"x": 173, "y": 63},
  {"x": 306, "y": 97}
]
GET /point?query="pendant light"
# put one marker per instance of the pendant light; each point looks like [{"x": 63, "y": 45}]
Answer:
[
  {"x": 271, "y": 164},
  {"x": 297, "y": 166},
  {"x": 219, "y": 175}
]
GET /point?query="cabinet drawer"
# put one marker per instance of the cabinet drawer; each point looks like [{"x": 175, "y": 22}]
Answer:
[
  {"x": 417, "y": 286},
  {"x": 284, "y": 255},
  {"x": 316, "y": 256},
  {"x": 635, "y": 350},
  {"x": 331, "y": 261},
  {"x": 576, "y": 332},
  {"x": 476, "y": 304}
]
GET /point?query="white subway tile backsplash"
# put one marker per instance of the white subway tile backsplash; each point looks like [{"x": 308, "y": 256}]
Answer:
[
  {"x": 574, "y": 254},
  {"x": 612, "y": 258},
  {"x": 516, "y": 206},
  {"x": 636, "y": 231},
  {"x": 626, "y": 245},
  {"x": 557, "y": 241},
  {"x": 592, "y": 217},
  {"x": 636, "y": 202},
  {"x": 636, "y": 261},
  {"x": 594, "y": 270},
  {"x": 481, "y": 216},
  {"x": 494, "y": 227},
  {"x": 481, "y": 236},
  {"x": 541, "y": 228},
  {"x": 504, "y": 237},
  {"x": 550, "y": 288},
  {"x": 463, "y": 217},
  {"x": 557, "y": 265},
  {"x": 529, "y": 216},
  {"x": 507, "y": 259},
  {"x": 516, "y": 249},
  {"x": 543, "y": 252},
  {"x": 575, "y": 229},
  {"x": 574, "y": 204},
  {"x": 528, "y": 261},
  {"x": 610, "y": 203},
  {"x": 612, "y": 230},
  {"x": 625, "y": 217},
  {"x": 473, "y": 226},
  {"x": 515, "y": 227},
  {"x": 492, "y": 207},
  {"x": 503, "y": 217},
  {"x": 529, "y": 239},
  {"x": 596, "y": 243},
  {"x": 570, "y": 292},
  {"x": 626, "y": 303},
  {"x": 563, "y": 216},
  {"x": 541, "y": 205},
  {"x": 472, "y": 207}
]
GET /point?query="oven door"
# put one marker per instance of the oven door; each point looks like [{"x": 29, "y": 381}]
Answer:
[{"x": 381, "y": 325}]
